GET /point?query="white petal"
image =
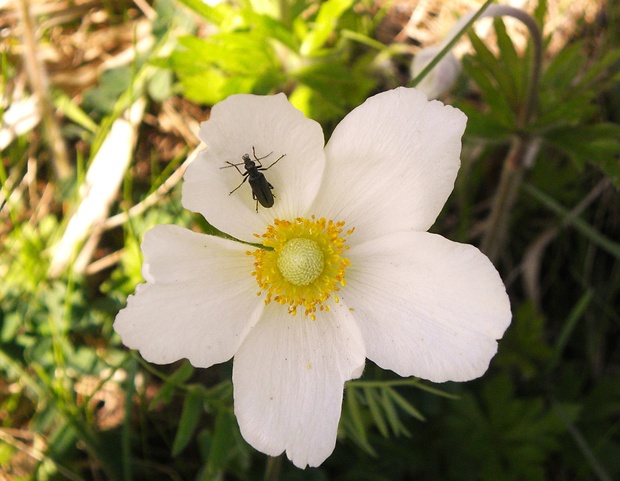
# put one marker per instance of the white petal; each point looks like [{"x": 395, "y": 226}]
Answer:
[
  {"x": 199, "y": 301},
  {"x": 273, "y": 127},
  {"x": 288, "y": 381},
  {"x": 391, "y": 164},
  {"x": 427, "y": 306}
]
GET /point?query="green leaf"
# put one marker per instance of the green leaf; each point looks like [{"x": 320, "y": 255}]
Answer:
[
  {"x": 575, "y": 315},
  {"x": 540, "y": 11},
  {"x": 63, "y": 103},
  {"x": 112, "y": 84},
  {"x": 558, "y": 110},
  {"x": 611, "y": 167},
  {"x": 596, "y": 74},
  {"x": 570, "y": 86},
  {"x": 525, "y": 347},
  {"x": 510, "y": 60},
  {"x": 190, "y": 415},
  {"x": 405, "y": 405},
  {"x": 491, "y": 92},
  {"x": 223, "y": 440},
  {"x": 392, "y": 415},
  {"x": 269, "y": 27},
  {"x": 597, "y": 144},
  {"x": 11, "y": 322},
  {"x": 166, "y": 392},
  {"x": 159, "y": 86},
  {"x": 235, "y": 52},
  {"x": 356, "y": 416},
  {"x": 484, "y": 124},
  {"x": 325, "y": 24},
  {"x": 564, "y": 68},
  {"x": 215, "y": 15},
  {"x": 6, "y": 454},
  {"x": 335, "y": 83},
  {"x": 224, "y": 64},
  {"x": 508, "y": 438},
  {"x": 352, "y": 424},
  {"x": 375, "y": 411},
  {"x": 496, "y": 70}
]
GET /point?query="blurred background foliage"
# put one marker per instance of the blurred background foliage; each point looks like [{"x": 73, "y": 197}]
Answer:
[{"x": 134, "y": 79}]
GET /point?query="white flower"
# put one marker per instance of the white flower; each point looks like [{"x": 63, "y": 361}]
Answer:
[
  {"x": 443, "y": 76},
  {"x": 352, "y": 274}
]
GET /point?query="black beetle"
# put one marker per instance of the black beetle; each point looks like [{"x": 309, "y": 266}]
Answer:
[{"x": 261, "y": 189}]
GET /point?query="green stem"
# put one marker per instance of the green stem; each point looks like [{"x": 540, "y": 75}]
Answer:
[
  {"x": 573, "y": 219},
  {"x": 411, "y": 382},
  {"x": 582, "y": 443},
  {"x": 521, "y": 152},
  {"x": 449, "y": 45},
  {"x": 273, "y": 468}
]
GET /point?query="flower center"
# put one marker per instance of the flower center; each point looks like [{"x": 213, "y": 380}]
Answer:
[
  {"x": 301, "y": 261},
  {"x": 305, "y": 263}
]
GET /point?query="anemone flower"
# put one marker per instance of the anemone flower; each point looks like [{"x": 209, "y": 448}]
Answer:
[{"x": 345, "y": 269}]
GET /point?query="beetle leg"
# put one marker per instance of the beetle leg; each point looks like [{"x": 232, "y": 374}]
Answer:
[
  {"x": 273, "y": 163},
  {"x": 245, "y": 177}
]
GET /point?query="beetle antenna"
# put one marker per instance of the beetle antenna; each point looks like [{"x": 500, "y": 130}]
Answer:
[
  {"x": 274, "y": 163},
  {"x": 260, "y": 158},
  {"x": 230, "y": 164}
]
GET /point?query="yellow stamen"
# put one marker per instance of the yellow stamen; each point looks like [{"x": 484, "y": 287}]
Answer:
[{"x": 305, "y": 264}]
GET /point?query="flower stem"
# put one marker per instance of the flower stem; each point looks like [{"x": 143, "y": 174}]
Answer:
[
  {"x": 273, "y": 468},
  {"x": 522, "y": 151},
  {"x": 496, "y": 228},
  {"x": 520, "y": 156}
]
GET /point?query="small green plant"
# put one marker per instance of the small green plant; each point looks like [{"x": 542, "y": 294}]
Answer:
[{"x": 298, "y": 47}]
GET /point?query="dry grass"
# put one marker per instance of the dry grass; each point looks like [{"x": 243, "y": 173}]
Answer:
[{"x": 426, "y": 22}]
